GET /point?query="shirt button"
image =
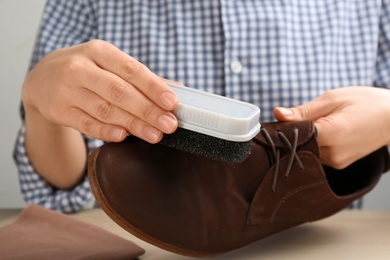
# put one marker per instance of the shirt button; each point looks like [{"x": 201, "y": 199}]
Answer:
[{"x": 236, "y": 66}]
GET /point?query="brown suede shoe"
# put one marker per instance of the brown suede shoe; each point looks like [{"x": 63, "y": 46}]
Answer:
[{"x": 194, "y": 206}]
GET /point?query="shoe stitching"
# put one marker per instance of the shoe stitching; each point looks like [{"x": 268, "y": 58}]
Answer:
[
  {"x": 292, "y": 193},
  {"x": 276, "y": 154}
]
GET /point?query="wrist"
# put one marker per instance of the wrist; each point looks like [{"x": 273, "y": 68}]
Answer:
[{"x": 57, "y": 152}]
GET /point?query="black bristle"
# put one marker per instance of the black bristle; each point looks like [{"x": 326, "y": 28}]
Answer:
[{"x": 208, "y": 146}]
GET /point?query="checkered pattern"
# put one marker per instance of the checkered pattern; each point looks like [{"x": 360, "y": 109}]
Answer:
[
  {"x": 36, "y": 190},
  {"x": 289, "y": 51}
]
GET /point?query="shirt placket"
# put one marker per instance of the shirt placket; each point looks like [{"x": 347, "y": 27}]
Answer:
[{"x": 234, "y": 65}]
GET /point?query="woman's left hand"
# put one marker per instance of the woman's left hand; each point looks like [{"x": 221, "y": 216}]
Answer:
[{"x": 351, "y": 122}]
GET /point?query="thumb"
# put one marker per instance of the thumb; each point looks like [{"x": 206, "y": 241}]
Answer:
[
  {"x": 312, "y": 110},
  {"x": 298, "y": 113}
]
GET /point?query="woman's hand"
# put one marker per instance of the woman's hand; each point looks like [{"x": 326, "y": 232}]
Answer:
[
  {"x": 96, "y": 89},
  {"x": 100, "y": 91},
  {"x": 351, "y": 122}
]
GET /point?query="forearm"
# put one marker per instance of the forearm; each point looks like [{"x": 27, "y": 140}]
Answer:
[{"x": 57, "y": 153}]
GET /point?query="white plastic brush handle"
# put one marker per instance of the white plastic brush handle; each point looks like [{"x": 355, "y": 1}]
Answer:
[{"x": 216, "y": 115}]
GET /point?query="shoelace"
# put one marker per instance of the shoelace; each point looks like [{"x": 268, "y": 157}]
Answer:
[{"x": 276, "y": 154}]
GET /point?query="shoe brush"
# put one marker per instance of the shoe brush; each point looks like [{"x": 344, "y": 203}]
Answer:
[{"x": 213, "y": 126}]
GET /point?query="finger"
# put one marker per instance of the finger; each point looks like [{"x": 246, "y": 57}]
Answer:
[
  {"x": 116, "y": 97},
  {"x": 92, "y": 127},
  {"x": 108, "y": 113},
  {"x": 171, "y": 81},
  {"x": 312, "y": 110},
  {"x": 337, "y": 160},
  {"x": 111, "y": 133},
  {"x": 112, "y": 59}
]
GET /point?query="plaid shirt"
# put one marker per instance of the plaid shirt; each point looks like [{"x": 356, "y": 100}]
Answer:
[{"x": 266, "y": 52}]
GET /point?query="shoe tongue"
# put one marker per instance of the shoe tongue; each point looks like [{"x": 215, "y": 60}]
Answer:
[{"x": 306, "y": 131}]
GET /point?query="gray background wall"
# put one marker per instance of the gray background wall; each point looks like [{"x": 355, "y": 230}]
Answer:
[{"x": 19, "y": 20}]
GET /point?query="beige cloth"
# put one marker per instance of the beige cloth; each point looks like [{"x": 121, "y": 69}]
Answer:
[{"x": 40, "y": 233}]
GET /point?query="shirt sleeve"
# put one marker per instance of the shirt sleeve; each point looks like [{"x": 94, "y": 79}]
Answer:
[
  {"x": 63, "y": 24},
  {"x": 382, "y": 72},
  {"x": 36, "y": 190}
]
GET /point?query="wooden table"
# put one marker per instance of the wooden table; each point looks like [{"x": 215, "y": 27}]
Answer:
[{"x": 346, "y": 235}]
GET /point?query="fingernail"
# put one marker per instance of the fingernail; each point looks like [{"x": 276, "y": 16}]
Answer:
[
  {"x": 286, "y": 112},
  {"x": 168, "y": 99},
  {"x": 151, "y": 133},
  {"x": 117, "y": 133},
  {"x": 167, "y": 124}
]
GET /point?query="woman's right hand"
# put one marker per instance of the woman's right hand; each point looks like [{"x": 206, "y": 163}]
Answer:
[{"x": 100, "y": 91}]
